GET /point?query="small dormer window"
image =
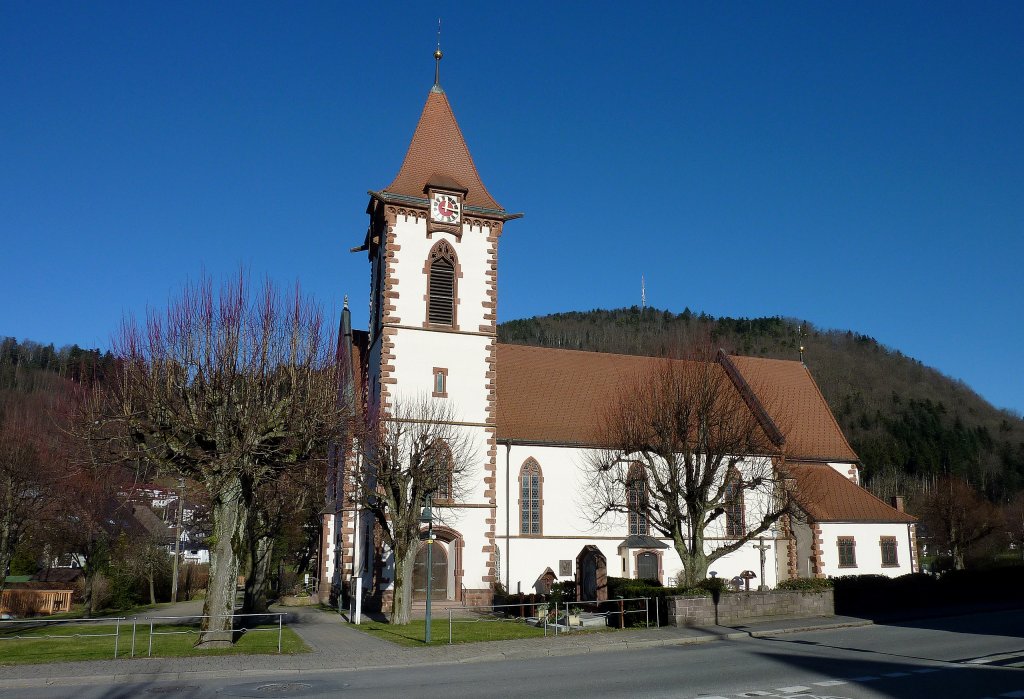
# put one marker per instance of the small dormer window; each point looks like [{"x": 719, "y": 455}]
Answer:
[{"x": 440, "y": 383}]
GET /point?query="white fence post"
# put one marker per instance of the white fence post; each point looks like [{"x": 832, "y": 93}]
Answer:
[
  {"x": 280, "y": 629},
  {"x": 117, "y": 635}
]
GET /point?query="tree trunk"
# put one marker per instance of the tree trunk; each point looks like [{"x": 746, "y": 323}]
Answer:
[
  {"x": 695, "y": 564},
  {"x": 8, "y": 537},
  {"x": 257, "y": 582},
  {"x": 152, "y": 585},
  {"x": 228, "y": 541},
  {"x": 402, "y": 606}
]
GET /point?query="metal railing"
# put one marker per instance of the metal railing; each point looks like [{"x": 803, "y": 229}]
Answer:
[
  {"x": 195, "y": 632},
  {"x": 45, "y": 623},
  {"x": 557, "y": 613},
  {"x": 149, "y": 623}
]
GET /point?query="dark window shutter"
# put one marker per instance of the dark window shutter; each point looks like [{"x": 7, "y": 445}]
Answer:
[{"x": 442, "y": 293}]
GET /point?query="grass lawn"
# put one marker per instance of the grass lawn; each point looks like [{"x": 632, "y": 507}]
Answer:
[
  {"x": 75, "y": 644},
  {"x": 463, "y": 631}
]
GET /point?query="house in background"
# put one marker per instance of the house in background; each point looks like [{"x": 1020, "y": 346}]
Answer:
[{"x": 532, "y": 415}]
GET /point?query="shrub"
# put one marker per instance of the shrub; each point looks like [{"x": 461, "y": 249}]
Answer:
[{"x": 807, "y": 584}]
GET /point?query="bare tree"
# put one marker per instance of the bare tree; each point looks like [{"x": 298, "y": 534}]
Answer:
[
  {"x": 415, "y": 450},
  {"x": 280, "y": 506},
  {"x": 229, "y": 389},
  {"x": 1013, "y": 514},
  {"x": 958, "y": 520},
  {"x": 27, "y": 469},
  {"x": 684, "y": 452}
]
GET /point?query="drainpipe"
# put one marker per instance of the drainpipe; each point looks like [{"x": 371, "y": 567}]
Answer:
[{"x": 508, "y": 519}]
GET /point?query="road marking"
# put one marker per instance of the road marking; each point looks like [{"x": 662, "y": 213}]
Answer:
[
  {"x": 794, "y": 689},
  {"x": 830, "y": 683}
]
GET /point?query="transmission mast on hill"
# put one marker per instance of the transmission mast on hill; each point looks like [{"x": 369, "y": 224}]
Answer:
[{"x": 643, "y": 293}]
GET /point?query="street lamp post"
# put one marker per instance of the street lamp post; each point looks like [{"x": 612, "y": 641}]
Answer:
[
  {"x": 428, "y": 517},
  {"x": 177, "y": 539}
]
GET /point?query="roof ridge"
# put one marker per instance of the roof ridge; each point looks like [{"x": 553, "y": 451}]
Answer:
[
  {"x": 596, "y": 352},
  {"x": 751, "y": 399}
]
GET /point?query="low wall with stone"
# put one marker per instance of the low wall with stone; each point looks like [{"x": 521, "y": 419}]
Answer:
[{"x": 739, "y": 607}]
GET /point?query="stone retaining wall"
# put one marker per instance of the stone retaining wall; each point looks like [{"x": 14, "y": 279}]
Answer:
[{"x": 739, "y": 607}]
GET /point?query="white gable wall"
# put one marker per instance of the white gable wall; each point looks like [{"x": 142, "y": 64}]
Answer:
[{"x": 868, "y": 549}]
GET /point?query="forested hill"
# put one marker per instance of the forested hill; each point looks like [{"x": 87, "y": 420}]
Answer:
[{"x": 908, "y": 422}]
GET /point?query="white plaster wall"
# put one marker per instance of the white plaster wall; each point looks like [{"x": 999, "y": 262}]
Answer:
[
  {"x": 417, "y": 352},
  {"x": 567, "y": 527},
  {"x": 410, "y": 234},
  {"x": 868, "y": 549},
  {"x": 843, "y": 469}
]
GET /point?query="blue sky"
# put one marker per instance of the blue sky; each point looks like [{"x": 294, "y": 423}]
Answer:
[{"x": 857, "y": 165}]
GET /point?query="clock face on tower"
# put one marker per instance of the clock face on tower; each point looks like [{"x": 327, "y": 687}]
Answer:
[{"x": 445, "y": 208}]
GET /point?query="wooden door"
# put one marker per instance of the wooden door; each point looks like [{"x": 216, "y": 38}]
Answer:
[{"x": 439, "y": 582}]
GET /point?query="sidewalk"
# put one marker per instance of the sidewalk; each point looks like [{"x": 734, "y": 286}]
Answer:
[{"x": 337, "y": 646}]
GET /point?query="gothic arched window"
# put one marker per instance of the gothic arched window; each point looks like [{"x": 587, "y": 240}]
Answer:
[
  {"x": 636, "y": 501},
  {"x": 530, "y": 498},
  {"x": 442, "y": 272},
  {"x": 734, "y": 519},
  {"x": 439, "y": 458}
]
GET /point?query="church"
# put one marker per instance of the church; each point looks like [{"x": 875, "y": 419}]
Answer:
[{"x": 531, "y": 415}]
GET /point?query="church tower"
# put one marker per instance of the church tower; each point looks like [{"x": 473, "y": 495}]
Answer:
[{"x": 432, "y": 243}]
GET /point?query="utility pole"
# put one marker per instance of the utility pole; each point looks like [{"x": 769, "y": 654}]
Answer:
[{"x": 177, "y": 539}]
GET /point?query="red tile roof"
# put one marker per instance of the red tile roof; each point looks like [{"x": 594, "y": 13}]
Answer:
[
  {"x": 789, "y": 394},
  {"x": 828, "y": 496},
  {"x": 560, "y": 396},
  {"x": 438, "y": 154}
]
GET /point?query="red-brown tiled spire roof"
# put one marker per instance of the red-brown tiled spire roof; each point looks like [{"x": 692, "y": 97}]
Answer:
[{"x": 438, "y": 155}]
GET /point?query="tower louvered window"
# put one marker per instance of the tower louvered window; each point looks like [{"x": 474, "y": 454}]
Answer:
[{"x": 441, "y": 285}]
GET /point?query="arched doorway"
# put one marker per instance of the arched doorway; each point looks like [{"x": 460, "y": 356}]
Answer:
[
  {"x": 439, "y": 578},
  {"x": 591, "y": 575}
]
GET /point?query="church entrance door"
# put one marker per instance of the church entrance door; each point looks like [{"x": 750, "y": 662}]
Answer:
[{"x": 439, "y": 579}]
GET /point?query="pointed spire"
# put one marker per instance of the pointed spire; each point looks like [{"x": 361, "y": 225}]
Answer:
[
  {"x": 437, "y": 61},
  {"x": 438, "y": 152}
]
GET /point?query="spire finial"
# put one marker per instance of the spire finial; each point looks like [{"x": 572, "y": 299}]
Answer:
[
  {"x": 437, "y": 57},
  {"x": 346, "y": 300}
]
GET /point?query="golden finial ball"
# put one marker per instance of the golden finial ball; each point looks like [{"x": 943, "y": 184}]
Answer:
[{"x": 437, "y": 55}]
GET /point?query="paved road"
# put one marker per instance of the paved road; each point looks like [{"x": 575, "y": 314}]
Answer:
[{"x": 962, "y": 657}]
